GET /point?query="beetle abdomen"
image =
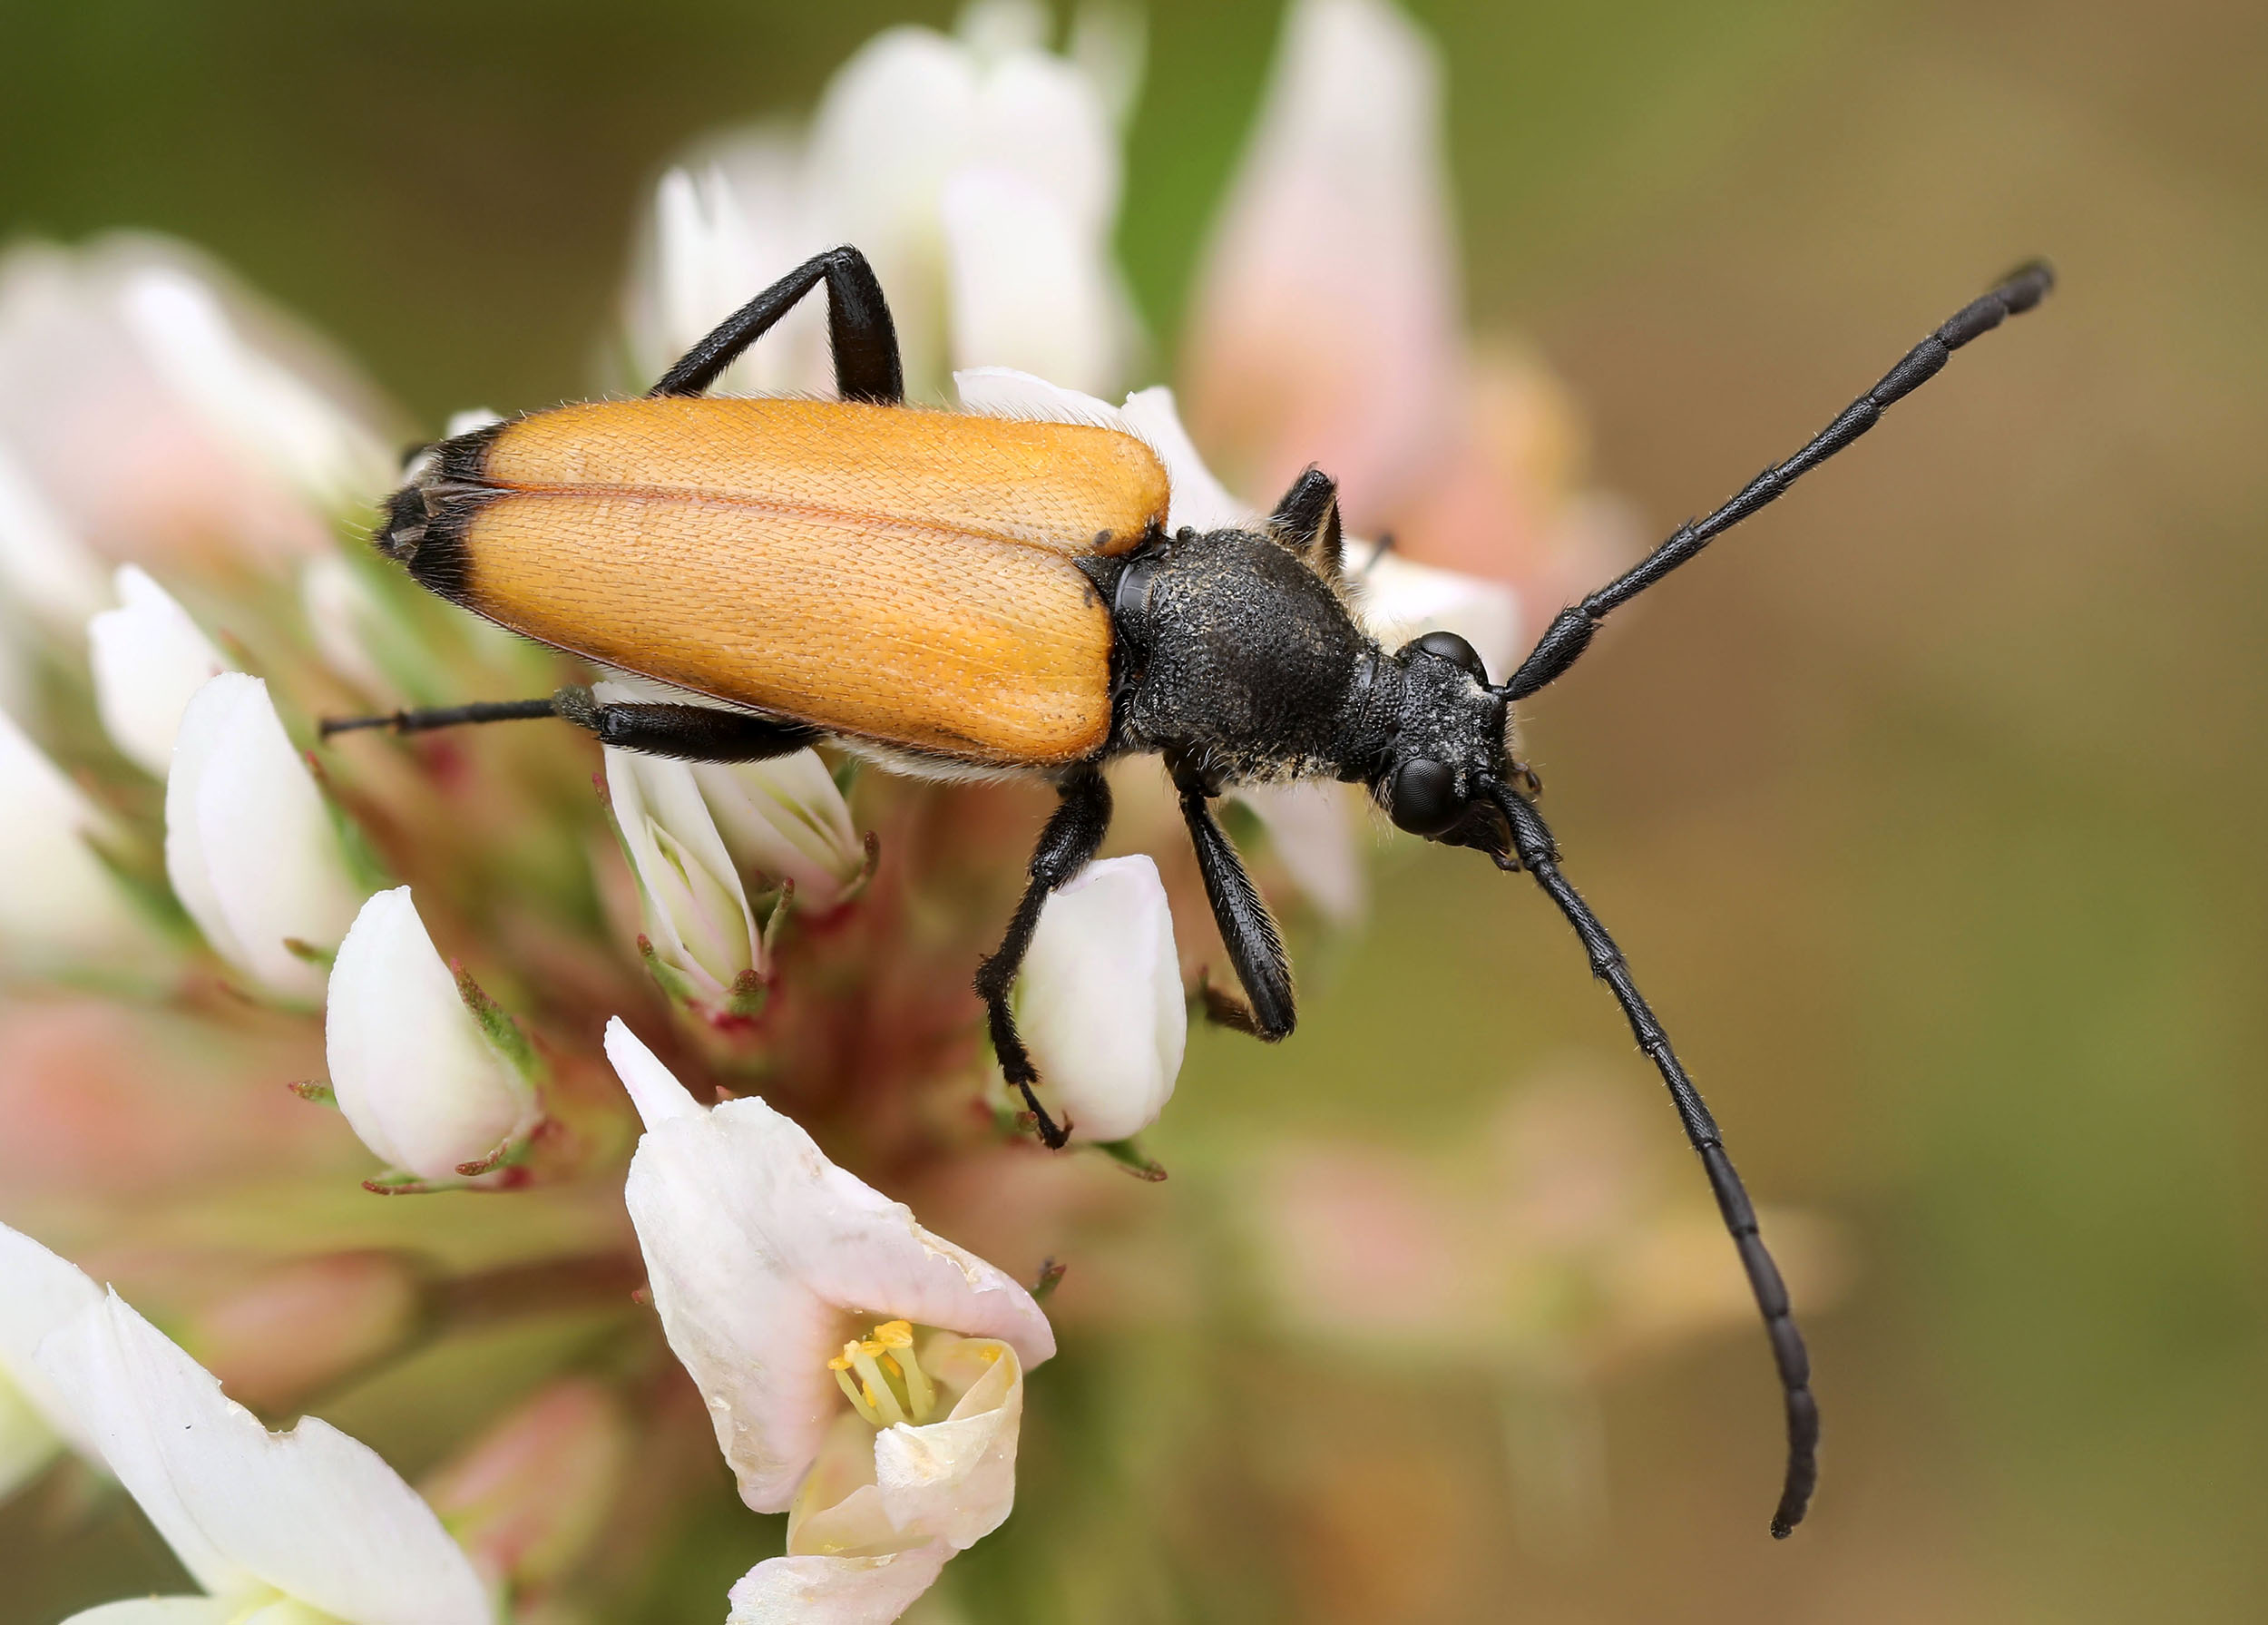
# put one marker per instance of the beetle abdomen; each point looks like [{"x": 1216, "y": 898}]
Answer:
[{"x": 905, "y": 576}]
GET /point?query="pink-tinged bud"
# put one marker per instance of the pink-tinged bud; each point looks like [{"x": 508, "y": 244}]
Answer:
[
  {"x": 1100, "y": 1001},
  {"x": 526, "y": 1498},
  {"x": 60, "y": 906},
  {"x": 430, "y": 1073},
  {"x": 46, "y": 571},
  {"x": 306, "y": 1325},
  {"x": 249, "y": 845},
  {"x": 149, "y": 660}
]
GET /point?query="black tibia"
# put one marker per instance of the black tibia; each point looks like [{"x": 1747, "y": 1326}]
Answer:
[
  {"x": 1570, "y": 634},
  {"x": 1538, "y": 854},
  {"x": 859, "y": 330},
  {"x": 451, "y": 716},
  {"x": 1066, "y": 846},
  {"x": 1247, "y": 928},
  {"x": 1307, "y": 521},
  {"x": 691, "y": 733},
  {"x": 697, "y": 733}
]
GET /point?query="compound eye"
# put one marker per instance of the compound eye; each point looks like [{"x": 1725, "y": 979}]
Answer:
[
  {"x": 1424, "y": 799},
  {"x": 1448, "y": 646}
]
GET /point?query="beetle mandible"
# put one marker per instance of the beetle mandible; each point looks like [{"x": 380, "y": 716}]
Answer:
[{"x": 961, "y": 596}]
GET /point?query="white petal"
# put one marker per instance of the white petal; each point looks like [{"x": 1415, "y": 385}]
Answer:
[
  {"x": 835, "y": 1591},
  {"x": 1314, "y": 833},
  {"x": 42, "y": 566},
  {"x": 416, "y": 1078},
  {"x": 1326, "y": 324},
  {"x": 27, "y": 1444},
  {"x": 893, "y": 124},
  {"x": 312, "y": 1514},
  {"x": 267, "y": 410},
  {"x": 1038, "y": 116},
  {"x": 758, "y": 1249},
  {"x": 340, "y": 609},
  {"x": 1100, "y": 1001},
  {"x": 1199, "y": 500},
  {"x": 249, "y": 845},
  {"x": 39, "y": 1293},
  {"x": 785, "y": 819},
  {"x": 159, "y": 1610},
  {"x": 149, "y": 660},
  {"x": 1030, "y": 285},
  {"x": 1005, "y": 392},
  {"x": 59, "y": 903},
  {"x": 1401, "y": 598},
  {"x": 955, "y": 1479},
  {"x": 653, "y": 1088}
]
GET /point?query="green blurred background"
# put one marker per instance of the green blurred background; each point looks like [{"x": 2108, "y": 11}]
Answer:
[{"x": 1929, "y": 809}]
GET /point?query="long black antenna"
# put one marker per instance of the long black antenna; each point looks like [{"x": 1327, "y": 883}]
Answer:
[
  {"x": 1538, "y": 854},
  {"x": 1570, "y": 634}
]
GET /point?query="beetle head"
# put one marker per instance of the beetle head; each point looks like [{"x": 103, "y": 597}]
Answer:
[{"x": 1450, "y": 739}]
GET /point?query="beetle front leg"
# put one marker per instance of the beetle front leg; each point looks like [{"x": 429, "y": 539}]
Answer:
[
  {"x": 1067, "y": 845},
  {"x": 864, "y": 338},
  {"x": 1247, "y": 928}
]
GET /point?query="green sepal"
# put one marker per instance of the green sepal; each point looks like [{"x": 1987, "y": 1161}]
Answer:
[
  {"x": 1128, "y": 1156},
  {"x": 314, "y": 1090},
  {"x": 503, "y": 1033}
]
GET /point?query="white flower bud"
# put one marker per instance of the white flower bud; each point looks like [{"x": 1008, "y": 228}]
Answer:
[
  {"x": 59, "y": 904},
  {"x": 786, "y": 820},
  {"x": 251, "y": 399},
  {"x": 417, "y": 1077},
  {"x": 149, "y": 660},
  {"x": 1100, "y": 1002},
  {"x": 44, "y": 568},
  {"x": 707, "y": 951},
  {"x": 341, "y": 612},
  {"x": 249, "y": 845}
]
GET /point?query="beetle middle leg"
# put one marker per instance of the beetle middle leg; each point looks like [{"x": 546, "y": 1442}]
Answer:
[
  {"x": 1247, "y": 928},
  {"x": 859, "y": 330},
  {"x": 1066, "y": 846}
]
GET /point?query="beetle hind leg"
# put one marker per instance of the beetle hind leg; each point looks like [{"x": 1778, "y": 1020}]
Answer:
[
  {"x": 864, "y": 338},
  {"x": 1066, "y": 846},
  {"x": 697, "y": 733}
]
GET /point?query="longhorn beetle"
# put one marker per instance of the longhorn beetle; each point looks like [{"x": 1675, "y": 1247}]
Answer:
[{"x": 961, "y": 596}]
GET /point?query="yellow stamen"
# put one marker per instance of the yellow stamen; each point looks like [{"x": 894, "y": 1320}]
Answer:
[{"x": 882, "y": 1377}]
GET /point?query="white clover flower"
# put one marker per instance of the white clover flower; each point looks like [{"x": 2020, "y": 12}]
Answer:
[
  {"x": 428, "y": 1084},
  {"x": 266, "y": 411},
  {"x": 1099, "y": 1001},
  {"x": 785, "y": 819},
  {"x": 701, "y": 936},
  {"x": 861, "y": 1374},
  {"x": 60, "y": 905},
  {"x": 283, "y": 1529},
  {"x": 38, "y": 1293},
  {"x": 979, "y": 174},
  {"x": 250, "y": 844},
  {"x": 149, "y": 660},
  {"x": 46, "y": 571}
]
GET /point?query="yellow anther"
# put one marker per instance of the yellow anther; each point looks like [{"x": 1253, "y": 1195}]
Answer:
[{"x": 882, "y": 1379}]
